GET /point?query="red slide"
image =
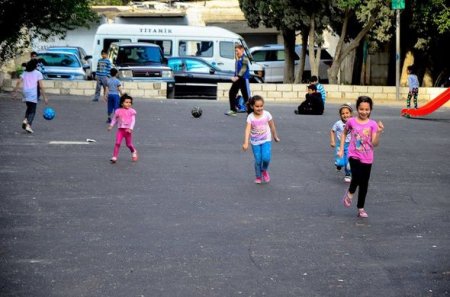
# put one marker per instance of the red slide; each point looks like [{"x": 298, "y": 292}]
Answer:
[{"x": 429, "y": 107}]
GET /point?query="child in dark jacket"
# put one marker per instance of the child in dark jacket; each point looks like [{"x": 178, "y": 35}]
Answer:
[{"x": 313, "y": 103}]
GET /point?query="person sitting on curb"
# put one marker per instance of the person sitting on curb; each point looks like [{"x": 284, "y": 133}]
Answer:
[{"x": 313, "y": 103}]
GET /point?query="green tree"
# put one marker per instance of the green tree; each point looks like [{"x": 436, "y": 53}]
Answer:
[
  {"x": 22, "y": 21},
  {"x": 425, "y": 31},
  {"x": 373, "y": 18},
  {"x": 288, "y": 16}
]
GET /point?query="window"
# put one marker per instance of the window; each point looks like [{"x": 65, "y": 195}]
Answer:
[
  {"x": 195, "y": 48},
  {"x": 56, "y": 59},
  {"x": 280, "y": 55},
  {"x": 176, "y": 65},
  {"x": 107, "y": 42},
  {"x": 196, "y": 66},
  {"x": 138, "y": 55},
  {"x": 259, "y": 56},
  {"x": 165, "y": 45},
  {"x": 226, "y": 49}
]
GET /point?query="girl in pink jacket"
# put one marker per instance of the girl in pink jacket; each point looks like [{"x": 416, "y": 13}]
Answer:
[{"x": 125, "y": 117}]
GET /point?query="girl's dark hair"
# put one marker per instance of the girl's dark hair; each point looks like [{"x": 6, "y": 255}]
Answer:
[
  {"x": 362, "y": 99},
  {"x": 31, "y": 65},
  {"x": 255, "y": 98},
  {"x": 411, "y": 68},
  {"x": 124, "y": 97}
]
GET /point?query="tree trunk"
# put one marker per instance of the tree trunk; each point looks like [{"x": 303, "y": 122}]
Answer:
[
  {"x": 341, "y": 51},
  {"x": 314, "y": 56},
  {"x": 289, "y": 46},
  {"x": 301, "y": 67}
]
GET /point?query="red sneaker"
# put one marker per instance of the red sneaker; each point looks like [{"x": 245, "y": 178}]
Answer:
[
  {"x": 258, "y": 180},
  {"x": 266, "y": 176}
]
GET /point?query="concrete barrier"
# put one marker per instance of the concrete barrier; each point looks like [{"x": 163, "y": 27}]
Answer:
[
  {"x": 150, "y": 90},
  {"x": 295, "y": 93}
]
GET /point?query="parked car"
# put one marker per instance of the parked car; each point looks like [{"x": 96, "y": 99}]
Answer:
[
  {"x": 272, "y": 57},
  {"x": 85, "y": 59},
  {"x": 141, "y": 62},
  {"x": 194, "y": 77},
  {"x": 61, "y": 65}
]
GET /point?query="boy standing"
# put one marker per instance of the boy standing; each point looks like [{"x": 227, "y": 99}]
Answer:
[
  {"x": 240, "y": 79},
  {"x": 113, "y": 91},
  {"x": 413, "y": 84},
  {"x": 102, "y": 74}
]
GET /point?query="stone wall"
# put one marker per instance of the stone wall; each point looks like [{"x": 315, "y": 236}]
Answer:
[
  {"x": 335, "y": 93},
  {"x": 155, "y": 90}
]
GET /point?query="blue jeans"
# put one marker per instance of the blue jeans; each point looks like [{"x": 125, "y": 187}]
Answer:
[
  {"x": 262, "y": 153},
  {"x": 113, "y": 103},
  {"x": 102, "y": 82}
]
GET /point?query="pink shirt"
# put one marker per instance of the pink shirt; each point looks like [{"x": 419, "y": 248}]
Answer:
[
  {"x": 361, "y": 146},
  {"x": 260, "y": 129},
  {"x": 125, "y": 118}
]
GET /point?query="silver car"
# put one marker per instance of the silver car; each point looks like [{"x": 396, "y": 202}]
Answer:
[
  {"x": 271, "y": 57},
  {"x": 81, "y": 54},
  {"x": 60, "y": 65}
]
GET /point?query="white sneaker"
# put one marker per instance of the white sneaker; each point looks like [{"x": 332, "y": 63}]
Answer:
[
  {"x": 28, "y": 129},
  {"x": 24, "y": 124},
  {"x": 348, "y": 179}
]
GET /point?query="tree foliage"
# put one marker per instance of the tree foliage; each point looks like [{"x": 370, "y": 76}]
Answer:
[
  {"x": 425, "y": 31},
  {"x": 288, "y": 16},
  {"x": 355, "y": 20},
  {"x": 22, "y": 21}
]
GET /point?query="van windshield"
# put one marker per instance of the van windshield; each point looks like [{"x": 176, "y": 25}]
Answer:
[
  {"x": 138, "y": 55},
  {"x": 247, "y": 52}
]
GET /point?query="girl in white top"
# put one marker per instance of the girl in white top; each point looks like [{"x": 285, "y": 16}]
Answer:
[
  {"x": 259, "y": 130},
  {"x": 31, "y": 80}
]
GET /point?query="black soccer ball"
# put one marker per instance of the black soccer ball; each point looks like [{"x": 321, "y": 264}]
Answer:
[{"x": 196, "y": 112}]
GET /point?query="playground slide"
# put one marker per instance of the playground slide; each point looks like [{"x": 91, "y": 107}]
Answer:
[{"x": 429, "y": 107}]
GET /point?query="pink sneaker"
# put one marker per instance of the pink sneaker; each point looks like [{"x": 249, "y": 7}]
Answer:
[
  {"x": 266, "y": 176},
  {"x": 347, "y": 201},
  {"x": 362, "y": 213},
  {"x": 258, "y": 180},
  {"x": 134, "y": 156}
]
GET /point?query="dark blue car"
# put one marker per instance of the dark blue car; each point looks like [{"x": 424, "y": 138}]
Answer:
[{"x": 196, "y": 78}]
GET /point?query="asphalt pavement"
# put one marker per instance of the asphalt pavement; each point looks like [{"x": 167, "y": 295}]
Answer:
[{"x": 187, "y": 219}]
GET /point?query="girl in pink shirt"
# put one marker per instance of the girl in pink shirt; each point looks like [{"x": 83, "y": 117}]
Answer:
[
  {"x": 125, "y": 117},
  {"x": 365, "y": 135}
]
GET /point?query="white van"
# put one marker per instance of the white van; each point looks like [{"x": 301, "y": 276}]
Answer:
[{"x": 213, "y": 44}]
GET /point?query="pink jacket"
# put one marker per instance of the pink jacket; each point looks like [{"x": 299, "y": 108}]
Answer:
[{"x": 125, "y": 118}]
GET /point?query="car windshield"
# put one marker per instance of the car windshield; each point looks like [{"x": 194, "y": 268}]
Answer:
[
  {"x": 64, "y": 49},
  {"x": 59, "y": 59},
  {"x": 138, "y": 55}
]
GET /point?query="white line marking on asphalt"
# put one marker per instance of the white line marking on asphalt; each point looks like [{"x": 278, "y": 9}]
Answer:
[{"x": 68, "y": 142}]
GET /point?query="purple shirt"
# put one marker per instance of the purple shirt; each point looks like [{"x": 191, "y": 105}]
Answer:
[{"x": 361, "y": 146}]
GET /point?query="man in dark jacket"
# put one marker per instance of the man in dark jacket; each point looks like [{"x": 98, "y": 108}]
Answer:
[
  {"x": 313, "y": 103},
  {"x": 240, "y": 80}
]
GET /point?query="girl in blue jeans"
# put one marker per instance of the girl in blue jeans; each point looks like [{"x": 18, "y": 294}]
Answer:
[{"x": 259, "y": 130}]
